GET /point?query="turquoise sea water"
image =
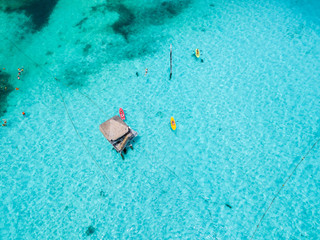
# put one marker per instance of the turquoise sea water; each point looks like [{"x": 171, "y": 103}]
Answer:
[{"x": 246, "y": 115}]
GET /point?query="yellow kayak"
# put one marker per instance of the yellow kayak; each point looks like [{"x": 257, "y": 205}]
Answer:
[
  {"x": 173, "y": 123},
  {"x": 197, "y": 53}
]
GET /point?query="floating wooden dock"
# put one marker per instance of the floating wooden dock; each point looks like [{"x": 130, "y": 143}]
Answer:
[{"x": 118, "y": 133}]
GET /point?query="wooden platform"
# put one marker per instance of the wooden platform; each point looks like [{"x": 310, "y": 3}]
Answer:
[{"x": 117, "y": 132}]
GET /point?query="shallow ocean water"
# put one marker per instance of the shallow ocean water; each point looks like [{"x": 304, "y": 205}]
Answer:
[{"x": 245, "y": 116}]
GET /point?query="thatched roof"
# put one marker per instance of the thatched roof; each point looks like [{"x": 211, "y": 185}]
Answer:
[{"x": 114, "y": 128}]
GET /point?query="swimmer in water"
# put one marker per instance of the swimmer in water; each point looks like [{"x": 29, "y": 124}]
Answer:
[{"x": 4, "y": 123}]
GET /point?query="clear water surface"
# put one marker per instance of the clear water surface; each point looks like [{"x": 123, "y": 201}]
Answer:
[{"x": 246, "y": 115}]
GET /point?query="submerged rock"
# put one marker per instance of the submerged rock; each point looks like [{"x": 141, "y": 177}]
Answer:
[
  {"x": 90, "y": 230},
  {"x": 159, "y": 114},
  {"x": 5, "y": 89},
  {"x": 86, "y": 49},
  {"x": 102, "y": 193}
]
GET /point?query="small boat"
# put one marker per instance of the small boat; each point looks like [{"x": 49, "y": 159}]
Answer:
[
  {"x": 121, "y": 112},
  {"x": 197, "y": 52},
  {"x": 173, "y": 123}
]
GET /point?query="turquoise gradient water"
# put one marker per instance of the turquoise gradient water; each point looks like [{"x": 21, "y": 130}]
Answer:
[{"x": 245, "y": 117}]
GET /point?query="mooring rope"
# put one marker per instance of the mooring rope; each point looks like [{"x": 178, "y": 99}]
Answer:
[
  {"x": 191, "y": 189},
  {"x": 75, "y": 129},
  {"x": 64, "y": 104},
  {"x": 288, "y": 178},
  {"x": 167, "y": 168}
]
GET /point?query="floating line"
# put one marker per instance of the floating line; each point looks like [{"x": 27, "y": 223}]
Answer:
[
  {"x": 191, "y": 189},
  {"x": 64, "y": 104},
  {"x": 288, "y": 178},
  {"x": 168, "y": 169},
  {"x": 75, "y": 129}
]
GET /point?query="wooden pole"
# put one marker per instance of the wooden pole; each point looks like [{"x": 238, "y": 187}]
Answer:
[{"x": 170, "y": 61}]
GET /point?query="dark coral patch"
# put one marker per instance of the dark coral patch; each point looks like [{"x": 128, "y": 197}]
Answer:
[
  {"x": 75, "y": 76},
  {"x": 77, "y": 72},
  {"x": 48, "y": 53},
  {"x": 102, "y": 193},
  {"x": 79, "y": 24},
  {"x": 99, "y": 8},
  {"x": 5, "y": 89},
  {"x": 38, "y": 10},
  {"x": 166, "y": 10},
  {"x": 131, "y": 21},
  {"x": 126, "y": 19},
  {"x": 86, "y": 49},
  {"x": 169, "y": 8}
]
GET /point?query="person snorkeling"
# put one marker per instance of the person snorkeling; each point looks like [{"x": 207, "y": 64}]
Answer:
[
  {"x": 4, "y": 123},
  {"x": 20, "y": 70}
]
